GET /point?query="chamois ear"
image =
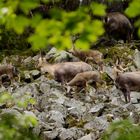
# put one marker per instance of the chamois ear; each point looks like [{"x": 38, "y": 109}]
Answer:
[
  {"x": 40, "y": 60},
  {"x": 10, "y": 64},
  {"x": 44, "y": 60},
  {"x": 116, "y": 72},
  {"x": 39, "y": 64}
]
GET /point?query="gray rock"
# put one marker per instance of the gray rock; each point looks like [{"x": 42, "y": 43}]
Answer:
[
  {"x": 137, "y": 58},
  {"x": 99, "y": 123},
  {"x": 135, "y": 96},
  {"x": 73, "y": 103},
  {"x": 35, "y": 58},
  {"x": 59, "y": 107},
  {"x": 27, "y": 77},
  {"x": 130, "y": 107},
  {"x": 134, "y": 117},
  {"x": 45, "y": 88},
  {"x": 117, "y": 101},
  {"x": 60, "y": 56},
  {"x": 43, "y": 127},
  {"x": 29, "y": 63},
  {"x": 64, "y": 56},
  {"x": 35, "y": 74},
  {"x": 56, "y": 117},
  {"x": 29, "y": 88},
  {"x": 75, "y": 107},
  {"x": 49, "y": 135},
  {"x": 51, "y": 53},
  {"x": 90, "y": 136},
  {"x": 120, "y": 112},
  {"x": 97, "y": 108},
  {"x": 109, "y": 71},
  {"x": 70, "y": 134},
  {"x": 27, "y": 60},
  {"x": 57, "y": 96},
  {"x": 2, "y": 89}
]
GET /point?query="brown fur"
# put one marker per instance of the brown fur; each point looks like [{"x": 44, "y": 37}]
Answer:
[
  {"x": 9, "y": 70},
  {"x": 94, "y": 55},
  {"x": 81, "y": 79},
  {"x": 127, "y": 82},
  {"x": 64, "y": 72},
  {"x": 118, "y": 26}
]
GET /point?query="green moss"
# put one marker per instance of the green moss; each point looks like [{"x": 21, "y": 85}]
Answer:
[
  {"x": 117, "y": 52},
  {"x": 73, "y": 121}
]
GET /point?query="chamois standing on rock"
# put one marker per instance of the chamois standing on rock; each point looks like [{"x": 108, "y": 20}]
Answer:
[
  {"x": 94, "y": 55},
  {"x": 127, "y": 82},
  {"x": 63, "y": 72},
  {"x": 118, "y": 26},
  {"x": 81, "y": 79}
]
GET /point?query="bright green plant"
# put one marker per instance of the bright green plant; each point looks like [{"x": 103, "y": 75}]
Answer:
[
  {"x": 134, "y": 11},
  {"x": 122, "y": 130},
  {"x": 58, "y": 29},
  {"x": 16, "y": 125}
]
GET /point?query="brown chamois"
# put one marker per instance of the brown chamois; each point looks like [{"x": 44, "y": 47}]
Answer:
[
  {"x": 9, "y": 70},
  {"x": 94, "y": 55},
  {"x": 127, "y": 82},
  {"x": 118, "y": 26},
  {"x": 63, "y": 72},
  {"x": 81, "y": 79}
]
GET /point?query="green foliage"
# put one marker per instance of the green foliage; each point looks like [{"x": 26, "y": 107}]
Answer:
[
  {"x": 122, "y": 130},
  {"x": 134, "y": 11},
  {"x": 11, "y": 41},
  {"x": 56, "y": 30},
  {"x": 98, "y": 9},
  {"x": 116, "y": 52},
  {"x": 16, "y": 125}
]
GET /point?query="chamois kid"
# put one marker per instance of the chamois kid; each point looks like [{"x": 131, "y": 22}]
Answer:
[{"x": 81, "y": 79}]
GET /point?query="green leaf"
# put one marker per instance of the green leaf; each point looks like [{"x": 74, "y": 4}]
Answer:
[
  {"x": 37, "y": 41},
  {"x": 35, "y": 20},
  {"x": 134, "y": 9},
  {"x": 98, "y": 9},
  {"x": 27, "y": 5},
  {"x": 82, "y": 44},
  {"x": 20, "y": 23}
]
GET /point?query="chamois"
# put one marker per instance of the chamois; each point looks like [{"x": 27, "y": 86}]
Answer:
[
  {"x": 81, "y": 79},
  {"x": 127, "y": 82},
  {"x": 118, "y": 26},
  {"x": 94, "y": 55},
  {"x": 9, "y": 70},
  {"x": 63, "y": 72}
]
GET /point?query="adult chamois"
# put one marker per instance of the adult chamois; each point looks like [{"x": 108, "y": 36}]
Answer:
[{"x": 63, "y": 72}]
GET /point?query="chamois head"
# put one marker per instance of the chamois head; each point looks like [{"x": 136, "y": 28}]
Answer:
[
  {"x": 41, "y": 62},
  {"x": 118, "y": 68}
]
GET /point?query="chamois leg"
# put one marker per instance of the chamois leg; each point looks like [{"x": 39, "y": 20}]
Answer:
[
  {"x": 125, "y": 96},
  {"x": 101, "y": 65},
  {"x": 126, "y": 93}
]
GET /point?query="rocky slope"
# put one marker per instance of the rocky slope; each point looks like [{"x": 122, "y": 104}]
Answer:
[{"x": 75, "y": 115}]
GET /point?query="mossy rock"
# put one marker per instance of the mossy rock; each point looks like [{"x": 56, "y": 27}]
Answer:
[
  {"x": 117, "y": 53},
  {"x": 72, "y": 121}
]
